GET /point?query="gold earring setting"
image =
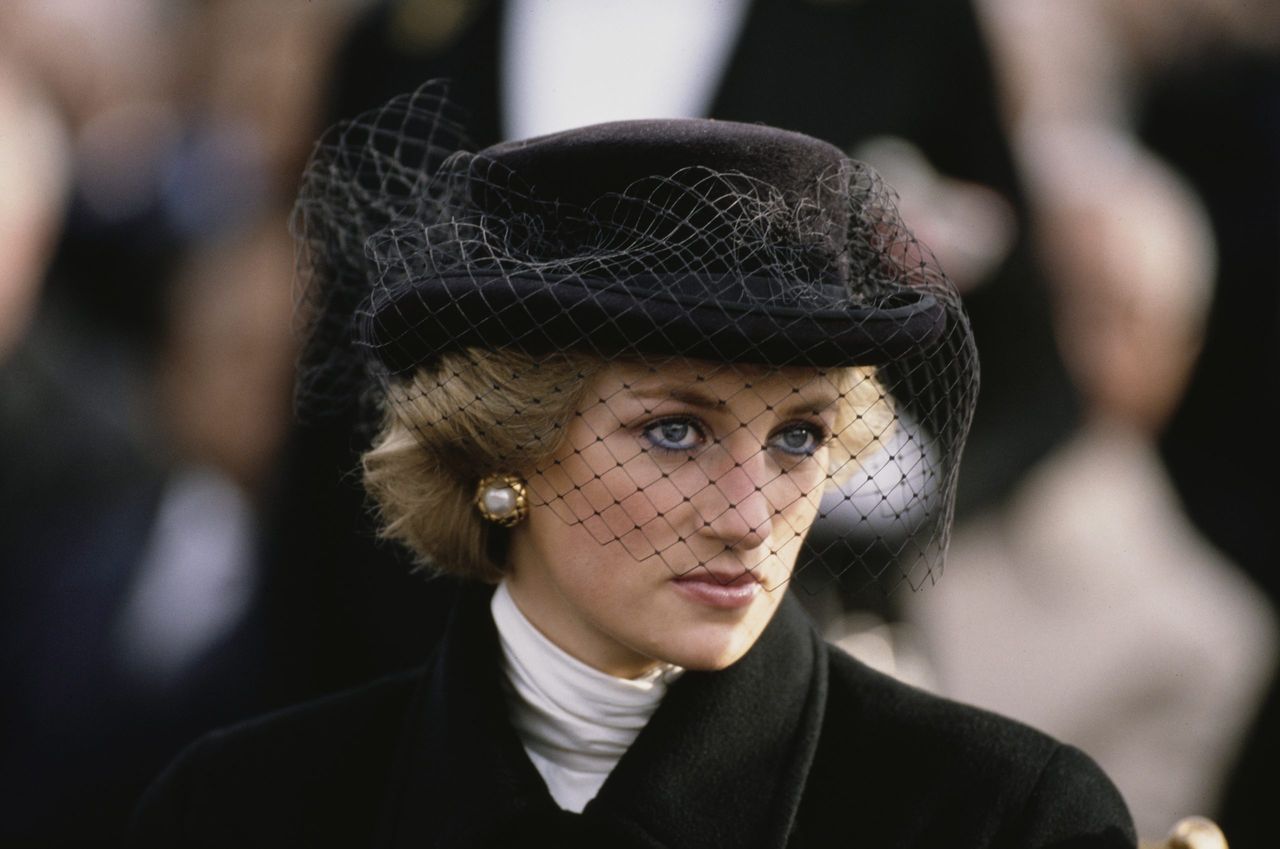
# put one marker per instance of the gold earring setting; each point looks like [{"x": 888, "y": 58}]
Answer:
[{"x": 502, "y": 499}]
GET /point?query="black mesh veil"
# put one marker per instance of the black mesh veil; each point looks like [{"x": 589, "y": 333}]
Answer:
[{"x": 698, "y": 342}]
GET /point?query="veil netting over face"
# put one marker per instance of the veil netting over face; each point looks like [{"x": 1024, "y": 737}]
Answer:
[{"x": 698, "y": 342}]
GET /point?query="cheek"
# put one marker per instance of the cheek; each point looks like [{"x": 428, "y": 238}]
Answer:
[
  {"x": 617, "y": 492},
  {"x": 799, "y": 495},
  {"x": 641, "y": 505},
  {"x": 652, "y": 505}
]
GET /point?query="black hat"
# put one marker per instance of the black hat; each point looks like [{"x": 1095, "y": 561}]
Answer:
[
  {"x": 645, "y": 236},
  {"x": 709, "y": 239},
  {"x": 642, "y": 240}
]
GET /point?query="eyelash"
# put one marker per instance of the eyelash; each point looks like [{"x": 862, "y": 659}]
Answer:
[
  {"x": 657, "y": 443},
  {"x": 817, "y": 431}
]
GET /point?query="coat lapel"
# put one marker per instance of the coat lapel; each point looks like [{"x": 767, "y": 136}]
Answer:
[
  {"x": 721, "y": 763},
  {"x": 462, "y": 768}
]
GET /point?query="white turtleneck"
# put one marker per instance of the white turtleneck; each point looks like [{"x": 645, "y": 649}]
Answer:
[{"x": 575, "y": 721}]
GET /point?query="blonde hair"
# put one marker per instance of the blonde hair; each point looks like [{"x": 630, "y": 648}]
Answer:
[
  {"x": 864, "y": 422},
  {"x": 475, "y": 412},
  {"x": 478, "y": 412}
]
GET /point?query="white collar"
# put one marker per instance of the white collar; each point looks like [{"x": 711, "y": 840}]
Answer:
[{"x": 575, "y": 721}]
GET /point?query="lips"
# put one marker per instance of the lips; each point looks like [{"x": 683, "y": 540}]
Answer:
[{"x": 724, "y": 591}]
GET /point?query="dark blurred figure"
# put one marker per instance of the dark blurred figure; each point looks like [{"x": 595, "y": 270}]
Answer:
[
  {"x": 1219, "y": 122},
  {"x": 75, "y": 496},
  {"x": 132, "y": 564},
  {"x": 1217, "y": 117},
  {"x": 1099, "y": 93},
  {"x": 1088, "y": 605},
  {"x": 145, "y": 359},
  {"x": 129, "y": 554}
]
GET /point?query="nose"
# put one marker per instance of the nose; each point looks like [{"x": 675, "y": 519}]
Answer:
[{"x": 737, "y": 510}]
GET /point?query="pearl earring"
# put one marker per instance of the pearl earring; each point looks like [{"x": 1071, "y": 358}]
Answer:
[{"x": 501, "y": 499}]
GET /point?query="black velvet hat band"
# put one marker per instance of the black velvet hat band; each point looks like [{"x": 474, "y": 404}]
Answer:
[{"x": 698, "y": 238}]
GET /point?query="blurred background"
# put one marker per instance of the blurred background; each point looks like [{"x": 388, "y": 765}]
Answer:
[{"x": 1100, "y": 177}]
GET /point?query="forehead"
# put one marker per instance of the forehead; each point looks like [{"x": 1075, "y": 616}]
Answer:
[{"x": 721, "y": 384}]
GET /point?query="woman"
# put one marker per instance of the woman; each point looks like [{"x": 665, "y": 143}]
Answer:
[{"x": 618, "y": 369}]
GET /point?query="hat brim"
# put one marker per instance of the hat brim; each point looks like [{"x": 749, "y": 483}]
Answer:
[{"x": 411, "y": 325}]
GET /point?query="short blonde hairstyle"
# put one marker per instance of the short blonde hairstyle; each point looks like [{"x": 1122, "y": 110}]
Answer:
[{"x": 479, "y": 412}]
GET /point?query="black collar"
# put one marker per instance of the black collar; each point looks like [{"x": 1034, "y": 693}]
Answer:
[{"x": 722, "y": 762}]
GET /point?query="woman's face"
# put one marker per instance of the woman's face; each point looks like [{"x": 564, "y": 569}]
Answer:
[{"x": 665, "y": 527}]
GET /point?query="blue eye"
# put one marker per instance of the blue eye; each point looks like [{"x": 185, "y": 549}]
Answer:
[
  {"x": 800, "y": 440},
  {"x": 675, "y": 435}
]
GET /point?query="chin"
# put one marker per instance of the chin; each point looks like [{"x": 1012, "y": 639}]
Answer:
[
  {"x": 703, "y": 664},
  {"x": 712, "y": 648}
]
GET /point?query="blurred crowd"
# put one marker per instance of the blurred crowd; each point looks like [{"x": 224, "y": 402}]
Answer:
[{"x": 1100, "y": 177}]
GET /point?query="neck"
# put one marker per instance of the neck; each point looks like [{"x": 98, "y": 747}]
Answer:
[{"x": 540, "y": 603}]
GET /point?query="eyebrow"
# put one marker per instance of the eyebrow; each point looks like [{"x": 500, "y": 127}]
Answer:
[
  {"x": 684, "y": 395},
  {"x": 694, "y": 398},
  {"x": 816, "y": 406}
]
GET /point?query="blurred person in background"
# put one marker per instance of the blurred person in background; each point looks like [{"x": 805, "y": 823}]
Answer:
[
  {"x": 220, "y": 395},
  {"x": 76, "y": 491},
  {"x": 1121, "y": 229},
  {"x": 36, "y": 167},
  {"x": 1088, "y": 604},
  {"x": 1215, "y": 114},
  {"x": 1091, "y": 94},
  {"x": 131, "y": 566},
  {"x": 146, "y": 364}
]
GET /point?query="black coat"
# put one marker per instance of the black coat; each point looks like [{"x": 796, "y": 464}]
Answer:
[{"x": 796, "y": 745}]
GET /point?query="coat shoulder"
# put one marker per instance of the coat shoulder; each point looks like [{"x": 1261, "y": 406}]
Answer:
[
  {"x": 316, "y": 770},
  {"x": 916, "y": 719},
  {"x": 935, "y": 770}
]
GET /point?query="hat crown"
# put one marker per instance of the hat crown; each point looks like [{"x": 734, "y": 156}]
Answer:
[
  {"x": 719, "y": 245},
  {"x": 580, "y": 165},
  {"x": 670, "y": 196}
]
